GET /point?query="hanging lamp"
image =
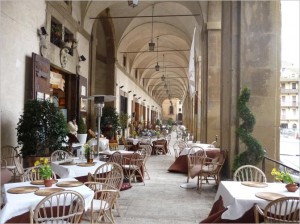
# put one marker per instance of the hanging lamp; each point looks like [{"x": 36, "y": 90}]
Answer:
[
  {"x": 157, "y": 66},
  {"x": 151, "y": 44}
]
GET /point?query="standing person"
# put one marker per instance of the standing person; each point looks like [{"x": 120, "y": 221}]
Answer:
[{"x": 72, "y": 126}]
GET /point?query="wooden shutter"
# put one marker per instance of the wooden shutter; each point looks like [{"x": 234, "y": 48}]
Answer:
[{"x": 41, "y": 77}]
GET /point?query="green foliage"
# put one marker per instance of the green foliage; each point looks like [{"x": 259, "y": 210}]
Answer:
[
  {"x": 123, "y": 120},
  {"x": 41, "y": 128},
  {"x": 254, "y": 152},
  {"x": 170, "y": 121},
  {"x": 158, "y": 122},
  {"x": 81, "y": 126},
  {"x": 109, "y": 121},
  {"x": 44, "y": 167}
]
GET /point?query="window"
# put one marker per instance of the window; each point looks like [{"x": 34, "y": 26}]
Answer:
[
  {"x": 283, "y": 85},
  {"x": 123, "y": 104},
  {"x": 294, "y": 112},
  {"x": 283, "y": 99},
  {"x": 69, "y": 38},
  {"x": 136, "y": 74},
  {"x": 171, "y": 110},
  {"x": 293, "y": 85},
  {"x": 124, "y": 61},
  {"x": 56, "y": 32}
]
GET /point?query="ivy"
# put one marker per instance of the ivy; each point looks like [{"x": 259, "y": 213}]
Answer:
[{"x": 254, "y": 152}]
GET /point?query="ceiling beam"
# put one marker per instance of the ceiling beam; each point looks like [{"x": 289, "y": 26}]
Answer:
[
  {"x": 150, "y": 16},
  {"x": 135, "y": 52}
]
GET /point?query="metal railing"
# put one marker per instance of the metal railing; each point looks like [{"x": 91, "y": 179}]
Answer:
[{"x": 277, "y": 162}]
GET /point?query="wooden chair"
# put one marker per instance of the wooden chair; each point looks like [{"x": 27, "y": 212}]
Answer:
[
  {"x": 100, "y": 210},
  {"x": 211, "y": 168},
  {"x": 32, "y": 173},
  {"x": 60, "y": 155},
  {"x": 132, "y": 166},
  {"x": 195, "y": 159},
  {"x": 282, "y": 210},
  {"x": 249, "y": 173},
  {"x": 59, "y": 207},
  {"x": 148, "y": 150}
]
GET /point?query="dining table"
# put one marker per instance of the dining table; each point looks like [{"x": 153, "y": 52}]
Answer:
[
  {"x": 234, "y": 201},
  {"x": 17, "y": 203},
  {"x": 76, "y": 168}
]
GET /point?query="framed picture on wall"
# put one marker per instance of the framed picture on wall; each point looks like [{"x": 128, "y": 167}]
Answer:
[{"x": 83, "y": 104}]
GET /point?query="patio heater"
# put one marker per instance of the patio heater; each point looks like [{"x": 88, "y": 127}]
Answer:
[{"x": 99, "y": 104}]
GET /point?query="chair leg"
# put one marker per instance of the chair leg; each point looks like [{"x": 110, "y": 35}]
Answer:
[{"x": 146, "y": 171}]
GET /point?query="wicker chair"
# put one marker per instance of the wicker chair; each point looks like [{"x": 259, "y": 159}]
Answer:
[
  {"x": 211, "y": 168},
  {"x": 195, "y": 161},
  {"x": 127, "y": 146},
  {"x": 160, "y": 146},
  {"x": 168, "y": 143},
  {"x": 60, "y": 155},
  {"x": 32, "y": 173},
  {"x": 116, "y": 157},
  {"x": 178, "y": 146},
  {"x": 132, "y": 166},
  {"x": 70, "y": 204},
  {"x": 110, "y": 174},
  {"x": 249, "y": 173},
  {"x": 100, "y": 210},
  {"x": 148, "y": 150},
  {"x": 282, "y": 210},
  {"x": 8, "y": 153}
]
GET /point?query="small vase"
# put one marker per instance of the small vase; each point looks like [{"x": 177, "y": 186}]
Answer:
[
  {"x": 291, "y": 187},
  {"x": 48, "y": 182}
]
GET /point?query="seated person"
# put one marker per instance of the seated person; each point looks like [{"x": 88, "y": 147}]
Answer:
[{"x": 72, "y": 126}]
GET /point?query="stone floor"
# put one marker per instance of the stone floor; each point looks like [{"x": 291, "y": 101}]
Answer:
[{"x": 162, "y": 200}]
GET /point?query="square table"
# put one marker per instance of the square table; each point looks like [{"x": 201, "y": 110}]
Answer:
[
  {"x": 18, "y": 204},
  {"x": 238, "y": 198},
  {"x": 76, "y": 171}
]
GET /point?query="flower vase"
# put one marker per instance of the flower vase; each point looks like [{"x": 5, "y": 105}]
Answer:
[
  {"x": 48, "y": 182},
  {"x": 291, "y": 187}
]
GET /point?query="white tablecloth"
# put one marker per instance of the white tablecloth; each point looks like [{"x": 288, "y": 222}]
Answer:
[
  {"x": 17, "y": 204},
  {"x": 65, "y": 171},
  {"x": 185, "y": 151},
  {"x": 239, "y": 198}
]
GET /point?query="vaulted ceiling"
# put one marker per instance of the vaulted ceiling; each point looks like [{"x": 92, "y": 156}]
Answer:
[{"x": 170, "y": 25}]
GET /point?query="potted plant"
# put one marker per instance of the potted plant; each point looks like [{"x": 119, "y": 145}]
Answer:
[
  {"x": 285, "y": 177},
  {"x": 123, "y": 121},
  {"x": 109, "y": 122},
  {"x": 45, "y": 171},
  {"x": 82, "y": 131},
  {"x": 253, "y": 153},
  {"x": 41, "y": 129}
]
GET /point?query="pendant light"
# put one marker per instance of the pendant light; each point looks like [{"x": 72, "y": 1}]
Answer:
[
  {"x": 163, "y": 77},
  {"x": 151, "y": 44},
  {"x": 157, "y": 66}
]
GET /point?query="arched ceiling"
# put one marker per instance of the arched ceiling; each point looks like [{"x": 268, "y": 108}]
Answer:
[{"x": 172, "y": 34}]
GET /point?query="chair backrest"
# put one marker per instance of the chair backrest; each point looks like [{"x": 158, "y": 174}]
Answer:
[
  {"x": 33, "y": 173},
  {"x": 126, "y": 144},
  {"x": 179, "y": 145},
  {"x": 18, "y": 164},
  {"x": 59, "y": 155},
  {"x": 214, "y": 165},
  {"x": 249, "y": 173},
  {"x": 148, "y": 150},
  {"x": 137, "y": 159},
  {"x": 109, "y": 173},
  {"x": 8, "y": 153},
  {"x": 116, "y": 157},
  {"x": 196, "y": 156},
  {"x": 282, "y": 210},
  {"x": 59, "y": 207}
]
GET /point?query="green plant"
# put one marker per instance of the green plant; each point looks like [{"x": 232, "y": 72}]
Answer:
[
  {"x": 44, "y": 168},
  {"x": 285, "y": 177},
  {"x": 170, "y": 121},
  {"x": 82, "y": 129},
  {"x": 87, "y": 149},
  {"x": 109, "y": 121},
  {"x": 41, "y": 129},
  {"x": 254, "y": 152},
  {"x": 123, "y": 121}
]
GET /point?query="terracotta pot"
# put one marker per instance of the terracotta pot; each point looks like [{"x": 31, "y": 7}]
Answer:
[
  {"x": 291, "y": 187},
  {"x": 48, "y": 183}
]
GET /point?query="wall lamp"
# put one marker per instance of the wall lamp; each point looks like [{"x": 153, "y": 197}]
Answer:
[
  {"x": 133, "y": 3},
  {"x": 129, "y": 91},
  {"x": 43, "y": 31},
  {"x": 139, "y": 98},
  {"x": 144, "y": 100},
  {"x": 121, "y": 87},
  {"x": 134, "y": 94},
  {"x": 82, "y": 58}
]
